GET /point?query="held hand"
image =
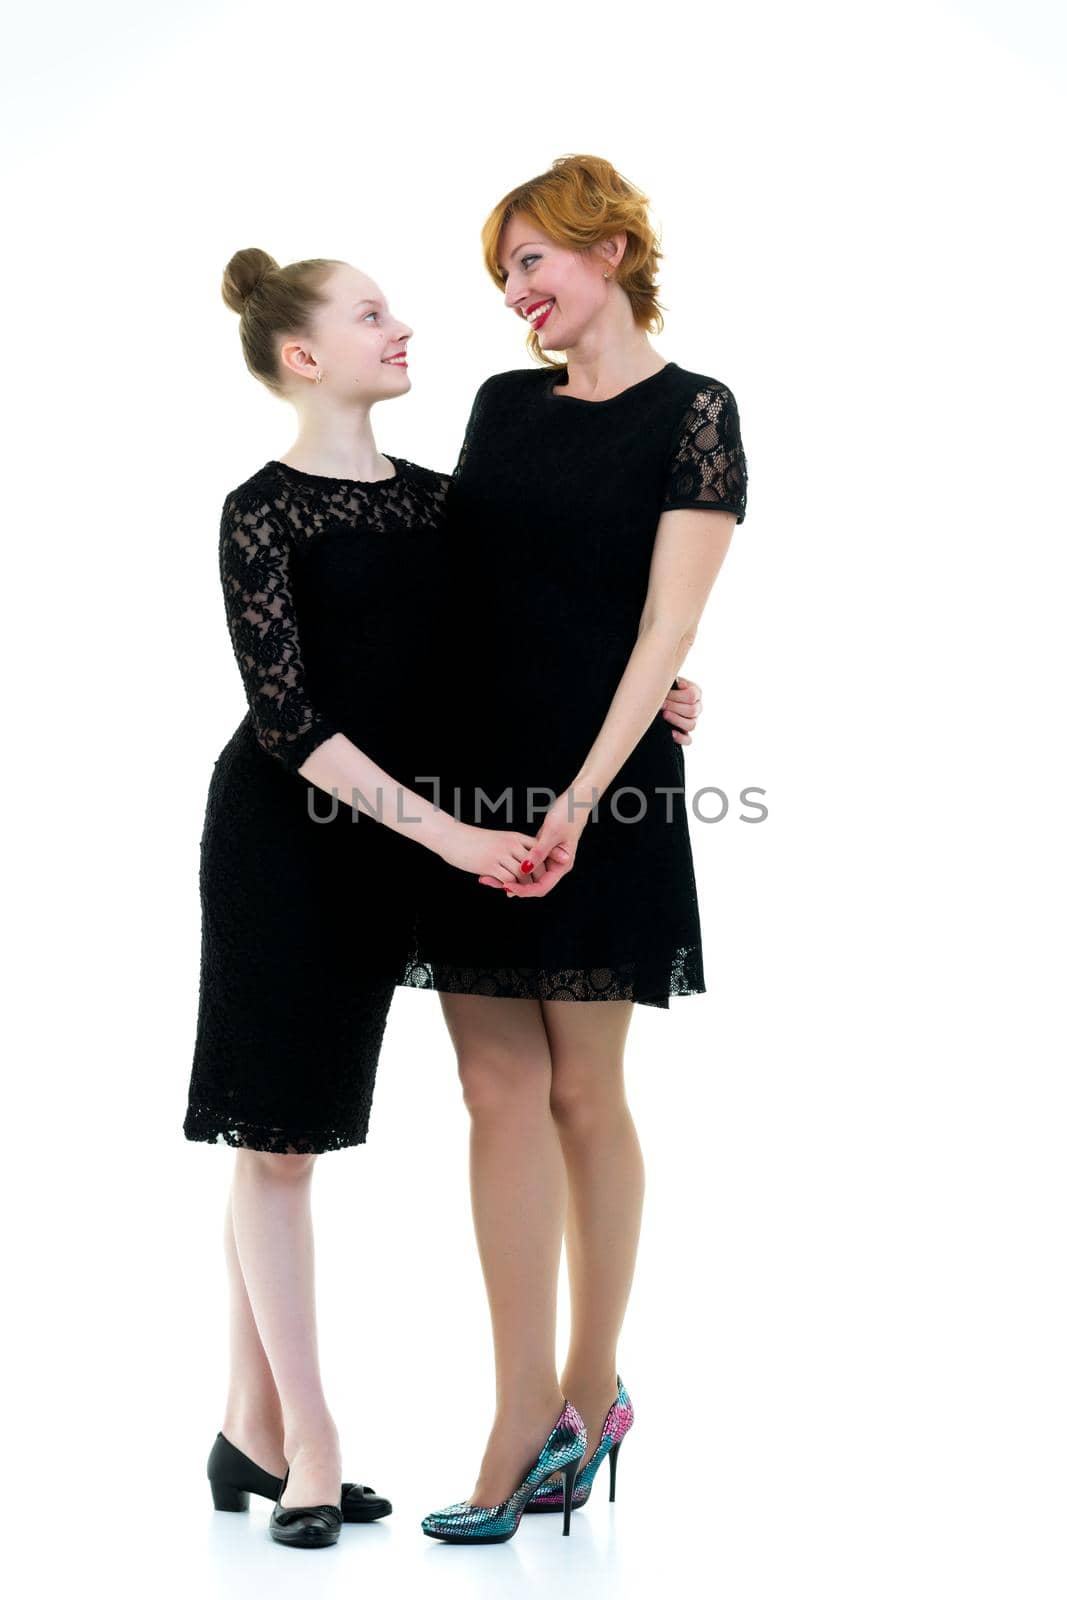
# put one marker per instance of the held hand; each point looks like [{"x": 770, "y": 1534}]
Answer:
[
  {"x": 682, "y": 707},
  {"x": 487, "y": 850},
  {"x": 535, "y": 869},
  {"x": 557, "y": 846}
]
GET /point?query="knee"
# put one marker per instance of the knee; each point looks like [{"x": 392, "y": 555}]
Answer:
[
  {"x": 287, "y": 1168},
  {"x": 583, "y": 1100},
  {"x": 496, "y": 1081}
]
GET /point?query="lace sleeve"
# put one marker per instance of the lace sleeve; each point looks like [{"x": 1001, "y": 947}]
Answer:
[
  {"x": 707, "y": 466},
  {"x": 254, "y": 566}
]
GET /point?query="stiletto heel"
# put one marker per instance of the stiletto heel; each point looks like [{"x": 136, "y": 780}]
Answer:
[
  {"x": 617, "y": 1424},
  {"x": 570, "y": 1472},
  {"x": 463, "y": 1523},
  {"x": 227, "y": 1498},
  {"x": 613, "y": 1456}
]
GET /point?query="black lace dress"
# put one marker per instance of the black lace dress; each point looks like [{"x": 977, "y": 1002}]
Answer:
[
  {"x": 332, "y": 591},
  {"x": 553, "y": 510}
]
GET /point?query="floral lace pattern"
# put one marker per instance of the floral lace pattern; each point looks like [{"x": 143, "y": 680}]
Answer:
[
  {"x": 205, "y": 1123},
  {"x": 264, "y": 524},
  {"x": 254, "y": 560},
  {"x": 681, "y": 973},
  {"x": 302, "y": 924},
  {"x": 708, "y": 466}
]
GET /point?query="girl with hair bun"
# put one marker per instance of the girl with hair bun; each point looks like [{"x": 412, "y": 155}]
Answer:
[{"x": 332, "y": 561}]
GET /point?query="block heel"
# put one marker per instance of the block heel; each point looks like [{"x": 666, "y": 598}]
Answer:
[
  {"x": 227, "y": 1497},
  {"x": 234, "y": 1476}
]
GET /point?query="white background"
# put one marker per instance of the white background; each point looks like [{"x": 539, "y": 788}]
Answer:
[{"x": 845, "y": 1342}]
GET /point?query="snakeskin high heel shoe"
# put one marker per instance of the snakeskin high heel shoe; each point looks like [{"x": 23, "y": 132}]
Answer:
[
  {"x": 234, "y": 1476},
  {"x": 463, "y": 1523},
  {"x": 310, "y": 1527},
  {"x": 617, "y": 1424}
]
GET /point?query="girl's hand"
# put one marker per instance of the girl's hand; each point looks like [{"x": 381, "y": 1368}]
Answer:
[
  {"x": 556, "y": 845},
  {"x": 488, "y": 850},
  {"x": 682, "y": 707}
]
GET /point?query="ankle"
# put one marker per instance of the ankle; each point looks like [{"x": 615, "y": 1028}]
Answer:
[
  {"x": 519, "y": 1406},
  {"x": 314, "y": 1440},
  {"x": 253, "y": 1422},
  {"x": 587, "y": 1381}
]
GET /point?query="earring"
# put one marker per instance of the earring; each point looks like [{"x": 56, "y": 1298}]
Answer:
[
  {"x": 607, "y": 274},
  {"x": 318, "y": 375}
]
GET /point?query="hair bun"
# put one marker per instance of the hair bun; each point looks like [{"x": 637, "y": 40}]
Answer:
[{"x": 244, "y": 273}]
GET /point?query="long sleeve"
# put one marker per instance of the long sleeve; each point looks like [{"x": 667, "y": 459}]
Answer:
[
  {"x": 707, "y": 468},
  {"x": 254, "y": 557}
]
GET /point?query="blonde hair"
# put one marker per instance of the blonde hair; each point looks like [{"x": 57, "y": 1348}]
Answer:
[{"x": 578, "y": 202}]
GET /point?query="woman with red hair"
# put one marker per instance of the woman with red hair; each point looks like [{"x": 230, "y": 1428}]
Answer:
[
  {"x": 591, "y": 509},
  {"x": 332, "y": 560}
]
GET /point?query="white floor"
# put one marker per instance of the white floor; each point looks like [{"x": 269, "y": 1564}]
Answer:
[{"x": 824, "y": 1345}]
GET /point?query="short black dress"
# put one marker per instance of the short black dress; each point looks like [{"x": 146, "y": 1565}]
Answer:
[
  {"x": 332, "y": 591},
  {"x": 552, "y": 514}
]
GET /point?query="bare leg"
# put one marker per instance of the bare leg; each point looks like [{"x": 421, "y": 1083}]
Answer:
[
  {"x": 606, "y": 1181},
  {"x": 253, "y": 1419},
  {"x": 518, "y": 1198},
  {"x": 271, "y": 1210}
]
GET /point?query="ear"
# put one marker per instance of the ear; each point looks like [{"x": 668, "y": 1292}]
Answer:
[{"x": 612, "y": 250}]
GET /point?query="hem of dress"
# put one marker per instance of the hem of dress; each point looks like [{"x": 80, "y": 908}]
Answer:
[
  {"x": 581, "y": 985},
  {"x": 208, "y": 1126}
]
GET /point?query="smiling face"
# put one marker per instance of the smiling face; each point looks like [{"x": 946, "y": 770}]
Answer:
[
  {"x": 558, "y": 292},
  {"x": 356, "y": 341}
]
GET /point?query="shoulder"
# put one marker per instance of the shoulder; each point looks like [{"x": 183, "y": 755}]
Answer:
[
  {"x": 529, "y": 375},
  {"x": 514, "y": 375},
  {"x": 516, "y": 380},
  {"x": 701, "y": 389},
  {"x": 254, "y": 513},
  {"x": 707, "y": 466},
  {"x": 505, "y": 396},
  {"x": 700, "y": 401},
  {"x": 264, "y": 487},
  {"x": 427, "y": 478}
]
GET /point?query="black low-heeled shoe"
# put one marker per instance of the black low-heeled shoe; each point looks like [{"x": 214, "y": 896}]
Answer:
[
  {"x": 234, "y": 1476},
  {"x": 310, "y": 1527}
]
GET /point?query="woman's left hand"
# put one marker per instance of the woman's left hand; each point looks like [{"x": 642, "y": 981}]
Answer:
[
  {"x": 557, "y": 845},
  {"x": 682, "y": 707}
]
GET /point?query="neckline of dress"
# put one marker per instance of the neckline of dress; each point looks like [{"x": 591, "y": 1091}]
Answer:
[
  {"x": 343, "y": 483},
  {"x": 555, "y": 391}
]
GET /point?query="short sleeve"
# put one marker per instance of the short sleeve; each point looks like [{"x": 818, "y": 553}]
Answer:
[
  {"x": 707, "y": 467},
  {"x": 254, "y": 559},
  {"x": 464, "y": 447},
  {"x": 473, "y": 421}
]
